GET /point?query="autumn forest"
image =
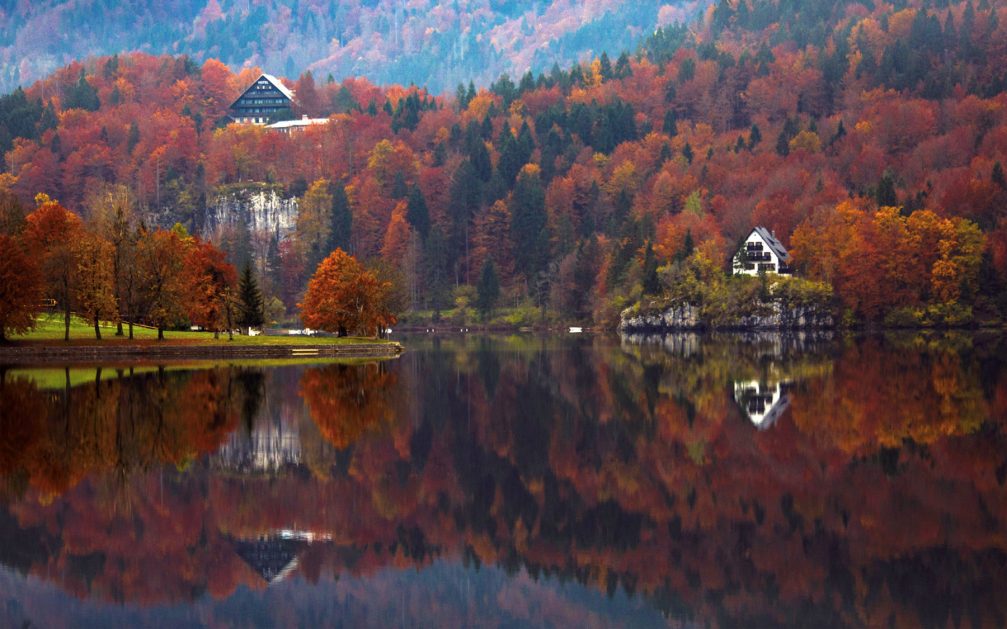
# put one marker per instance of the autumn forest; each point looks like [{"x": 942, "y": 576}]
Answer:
[{"x": 869, "y": 137}]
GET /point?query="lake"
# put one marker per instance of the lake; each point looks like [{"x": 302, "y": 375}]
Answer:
[{"x": 725, "y": 480}]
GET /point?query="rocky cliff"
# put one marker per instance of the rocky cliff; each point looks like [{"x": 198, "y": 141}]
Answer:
[
  {"x": 262, "y": 207},
  {"x": 772, "y": 315}
]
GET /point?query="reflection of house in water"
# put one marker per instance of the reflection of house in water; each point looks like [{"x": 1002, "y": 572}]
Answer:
[
  {"x": 763, "y": 403},
  {"x": 269, "y": 447},
  {"x": 274, "y": 557}
]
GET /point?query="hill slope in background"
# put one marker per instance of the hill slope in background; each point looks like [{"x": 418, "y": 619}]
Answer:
[{"x": 435, "y": 44}]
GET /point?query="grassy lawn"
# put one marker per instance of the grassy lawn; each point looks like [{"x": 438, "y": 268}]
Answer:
[{"x": 49, "y": 329}]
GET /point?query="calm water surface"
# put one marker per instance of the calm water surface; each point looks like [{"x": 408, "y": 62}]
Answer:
[{"x": 514, "y": 481}]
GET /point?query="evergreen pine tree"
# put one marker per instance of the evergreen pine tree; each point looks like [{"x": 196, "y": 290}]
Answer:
[
  {"x": 606, "y": 67},
  {"x": 488, "y": 289},
  {"x": 885, "y": 193},
  {"x": 341, "y": 220},
  {"x": 417, "y": 213},
  {"x": 998, "y": 176},
  {"x": 250, "y": 313}
]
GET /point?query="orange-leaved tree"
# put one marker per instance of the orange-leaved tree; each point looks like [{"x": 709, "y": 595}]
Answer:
[
  {"x": 210, "y": 280},
  {"x": 345, "y": 297},
  {"x": 52, "y": 232},
  {"x": 20, "y": 288}
]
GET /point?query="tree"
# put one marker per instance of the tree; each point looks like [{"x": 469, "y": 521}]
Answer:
[
  {"x": 528, "y": 224},
  {"x": 52, "y": 232},
  {"x": 340, "y": 219},
  {"x": 21, "y": 288},
  {"x": 12, "y": 214},
  {"x": 417, "y": 213},
  {"x": 113, "y": 215},
  {"x": 314, "y": 222},
  {"x": 160, "y": 282},
  {"x": 94, "y": 284},
  {"x": 997, "y": 176},
  {"x": 81, "y": 95},
  {"x": 209, "y": 281},
  {"x": 344, "y": 297},
  {"x": 488, "y": 290},
  {"x": 250, "y": 312},
  {"x": 885, "y": 193},
  {"x": 651, "y": 284}
]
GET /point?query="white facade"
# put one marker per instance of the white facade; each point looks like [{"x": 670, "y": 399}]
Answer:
[
  {"x": 763, "y": 403},
  {"x": 287, "y": 126},
  {"x": 761, "y": 253}
]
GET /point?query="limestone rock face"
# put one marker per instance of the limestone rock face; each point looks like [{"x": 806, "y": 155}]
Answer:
[
  {"x": 774, "y": 316},
  {"x": 262, "y": 207}
]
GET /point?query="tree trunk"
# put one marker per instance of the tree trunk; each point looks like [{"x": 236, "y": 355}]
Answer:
[
  {"x": 342, "y": 331},
  {"x": 66, "y": 321},
  {"x": 160, "y": 333},
  {"x": 131, "y": 329},
  {"x": 118, "y": 329},
  {"x": 97, "y": 328},
  {"x": 216, "y": 334}
]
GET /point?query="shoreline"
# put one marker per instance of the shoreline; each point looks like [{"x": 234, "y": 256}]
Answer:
[{"x": 32, "y": 352}]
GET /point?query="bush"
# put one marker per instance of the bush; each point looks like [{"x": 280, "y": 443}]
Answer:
[
  {"x": 949, "y": 315},
  {"x": 798, "y": 292}
]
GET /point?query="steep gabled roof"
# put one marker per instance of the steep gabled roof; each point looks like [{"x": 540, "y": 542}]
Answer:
[
  {"x": 275, "y": 83},
  {"x": 278, "y": 84},
  {"x": 774, "y": 244}
]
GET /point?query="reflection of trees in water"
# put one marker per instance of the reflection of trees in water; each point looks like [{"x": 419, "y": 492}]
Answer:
[
  {"x": 119, "y": 423},
  {"x": 347, "y": 401},
  {"x": 633, "y": 469}
]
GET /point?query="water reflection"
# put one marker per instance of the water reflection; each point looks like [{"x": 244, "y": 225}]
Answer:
[
  {"x": 520, "y": 480},
  {"x": 763, "y": 402}
]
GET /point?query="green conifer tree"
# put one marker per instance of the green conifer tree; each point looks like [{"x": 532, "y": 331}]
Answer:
[{"x": 250, "y": 314}]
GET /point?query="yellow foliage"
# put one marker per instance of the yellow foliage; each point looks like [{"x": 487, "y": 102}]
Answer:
[
  {"x": 624, "y": 178},
  {"x": 480, "y": 105},
  {"x": 7, "y": 182},
  {"x": 530, "y": 170},
  {"x": 806, "y": 141}
]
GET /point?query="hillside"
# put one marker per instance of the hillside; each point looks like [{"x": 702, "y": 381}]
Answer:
[
  {"x": 388, "y": 41},
  {"x": 584, "y": 187}
]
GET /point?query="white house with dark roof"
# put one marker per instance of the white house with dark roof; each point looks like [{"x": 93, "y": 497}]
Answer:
[
  {"x": 763, "y": 403},
  {"x": 761, "y": 252},
  {"x": 262, "y": 100}
]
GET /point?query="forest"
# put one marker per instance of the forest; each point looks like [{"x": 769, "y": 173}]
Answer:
[{"x": 870, "y": 137}]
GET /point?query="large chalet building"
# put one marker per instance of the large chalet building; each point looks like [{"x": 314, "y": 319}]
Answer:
[{"x": 265, "y": 98}]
